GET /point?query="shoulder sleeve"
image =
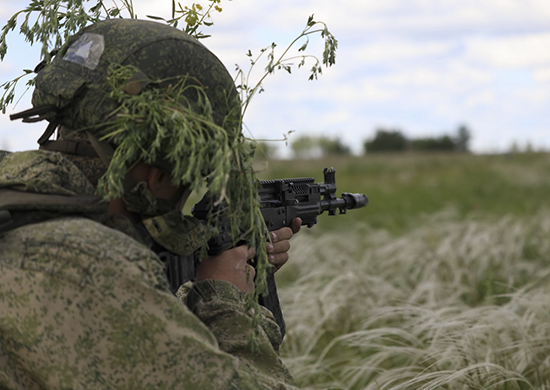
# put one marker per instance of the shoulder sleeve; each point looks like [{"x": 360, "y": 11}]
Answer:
[
  {"x": 84, "y": 306},
  {"x": 222, "y": 307}
]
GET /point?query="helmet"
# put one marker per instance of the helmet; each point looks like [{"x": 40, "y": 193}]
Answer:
[
  {"x": 76, "y": 81},
  {"x": 141, "y": 90}
]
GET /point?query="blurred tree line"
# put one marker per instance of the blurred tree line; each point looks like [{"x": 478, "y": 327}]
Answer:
[
  {"x": 394, "y": 141},
  {"x": 384, "y": 140}
]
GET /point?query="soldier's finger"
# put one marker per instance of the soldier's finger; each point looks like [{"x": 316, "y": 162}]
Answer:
[
  {"x": 278, "y": 247},
  {"x": 296, "y": 225},
  {"x": 278, "y": 260},
  {"x": 281, "y": 234}
]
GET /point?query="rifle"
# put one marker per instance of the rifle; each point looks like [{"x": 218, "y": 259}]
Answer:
[{"x": 281, "y": 201}]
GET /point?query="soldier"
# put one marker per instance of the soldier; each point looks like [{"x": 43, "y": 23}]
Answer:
[{"x": 84, "y": 302}]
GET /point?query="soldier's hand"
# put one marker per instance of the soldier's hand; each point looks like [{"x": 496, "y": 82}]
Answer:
[
  {"x": 277, "y": 249},
  {"x": 230, "y": 266}
]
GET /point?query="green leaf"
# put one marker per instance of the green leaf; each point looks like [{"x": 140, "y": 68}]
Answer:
[
  {"x": 96, "y": 7},
  {"x": 155, "y": 17}
]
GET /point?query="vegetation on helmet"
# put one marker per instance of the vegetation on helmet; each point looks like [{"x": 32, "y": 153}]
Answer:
[
  {"x": 164, "y": 127},
  {"x": 162, "y": 124},
  {"x": 286, "y": 60}
]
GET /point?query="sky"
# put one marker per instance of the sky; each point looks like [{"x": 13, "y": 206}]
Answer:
[{"x": 423, "y": 67}]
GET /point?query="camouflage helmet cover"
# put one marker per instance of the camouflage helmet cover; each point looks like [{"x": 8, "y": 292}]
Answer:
[{"x": 76, "y": 80}]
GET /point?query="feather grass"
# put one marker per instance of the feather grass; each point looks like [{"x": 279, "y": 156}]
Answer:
[{"x": 452, "y": 304}]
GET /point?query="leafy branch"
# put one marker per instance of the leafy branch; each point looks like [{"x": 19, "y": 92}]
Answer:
[
  {"x": 194, "y": 17},
  {"x": 285, "y": 62},
  {"x": 9, "y": 89},
  {"x": 49, "y": 23}
]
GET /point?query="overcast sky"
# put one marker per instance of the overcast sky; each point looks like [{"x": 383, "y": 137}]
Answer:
[{"x": 424, "y": 67}]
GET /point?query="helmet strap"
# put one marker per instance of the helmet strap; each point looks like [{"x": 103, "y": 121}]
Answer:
[
  {"x": 103, "y": 149},
  {"x": 47, "y": 112},
  {"x": 70, "y": 147}
]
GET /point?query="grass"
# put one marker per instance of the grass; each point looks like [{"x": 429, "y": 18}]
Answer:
[
  {"x": 440, "y": 283},
  {"x": 403, "y": 187}
]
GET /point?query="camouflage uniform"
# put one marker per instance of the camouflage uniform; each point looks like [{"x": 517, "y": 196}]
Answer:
[{"x": 85, "y": 305}]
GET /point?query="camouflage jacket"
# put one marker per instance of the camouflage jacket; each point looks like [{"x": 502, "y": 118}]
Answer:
[{"x": 85, "y": 305}]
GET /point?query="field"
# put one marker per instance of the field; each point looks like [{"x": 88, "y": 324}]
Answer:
[{"x": 440, "y": 283}]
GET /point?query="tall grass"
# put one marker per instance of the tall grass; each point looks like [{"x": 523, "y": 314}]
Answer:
[
  {"x": 403, "y": 187},
  {"x": 452, "y": 303}
]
